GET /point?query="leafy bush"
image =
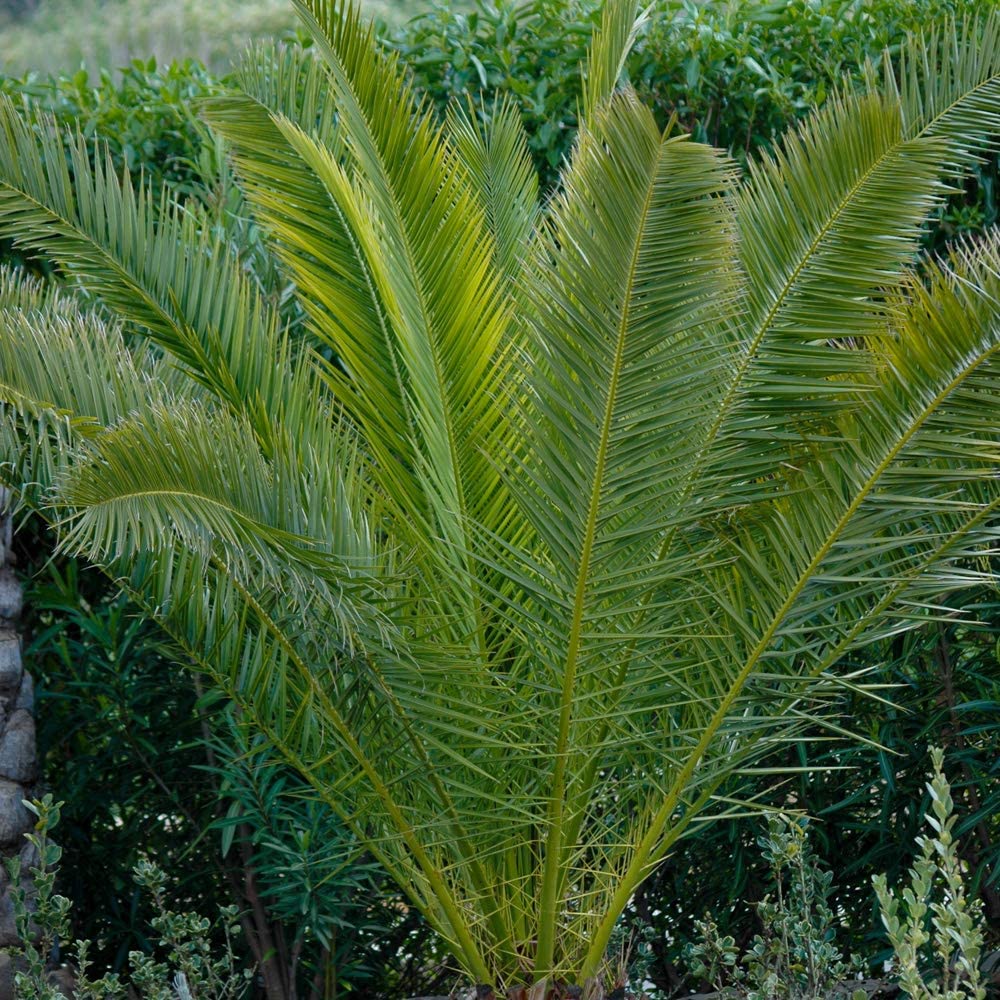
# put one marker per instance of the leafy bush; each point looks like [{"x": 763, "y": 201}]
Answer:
[
  {"x": 933, "y": 923},
  {"x": 935, "y": 930},
  {"x": 737, "y": 75},
  {"x": 118, "y": 731},
  {"x": 190, "y": 970},
  {"x": 145, "y": 114},
  {"x": 795, "y": 956}
]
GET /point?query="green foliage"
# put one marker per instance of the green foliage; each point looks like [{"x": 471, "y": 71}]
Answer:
[
  {"x": 934, "y": 929},
  {"x": 190, "y": 971},
  {"x": 733, "y": 73},
  {"x": 869, "y": 799},
  {"x": 795, "y": 957},
  {"x": 145, "y": 120},
  {"x": 588, "y": 518},
  {"x": 45, "y": 920},
  {"x": 529, "y": 51},
  {"x": 339, "y": 913},
  {"x": 738, "y": 75},
  {"x": 118, "y": 735},
  {"x": 143, "y": 113},
  {"x": 932, "y": 924},
  {"x": 126, "y": 738}
]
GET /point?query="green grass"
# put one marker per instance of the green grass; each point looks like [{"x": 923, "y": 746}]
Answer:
[{"x": 62, "y": 35}]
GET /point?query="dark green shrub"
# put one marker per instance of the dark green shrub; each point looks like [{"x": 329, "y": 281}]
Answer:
[
  {"x": 735, "y": 74},
  {"x": 531, "y": 50},
  {"x": 146, "y": 114}
]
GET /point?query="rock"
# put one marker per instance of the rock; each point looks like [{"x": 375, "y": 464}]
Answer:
[
  {"x": 29, "y": 856},
  {"x": 11, "y": 595},
  {"x": 63, "y": 980},
  {"x": 8, "y": 929},
  {"x": 18, "y": 761},
  {"x": 10, "y": 661},
  {"x": 26, "y": 693},
  {"x": 6, "y": 977},
  {"x": 15, "y": 820}
]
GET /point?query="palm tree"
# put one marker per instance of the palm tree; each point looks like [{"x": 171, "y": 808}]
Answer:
[{"x": 594, "y": 500}]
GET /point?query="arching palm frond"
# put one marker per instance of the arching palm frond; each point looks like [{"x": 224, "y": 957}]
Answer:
[{"x": 159, "y": 267}]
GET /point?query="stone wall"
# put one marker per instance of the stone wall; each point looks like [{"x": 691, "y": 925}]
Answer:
[{"x": 18, "y": 756}]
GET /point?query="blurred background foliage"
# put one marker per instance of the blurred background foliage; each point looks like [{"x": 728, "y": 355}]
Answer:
[
  {"x": 147, "y": 762},
  {"x": 57, "y": 36}
]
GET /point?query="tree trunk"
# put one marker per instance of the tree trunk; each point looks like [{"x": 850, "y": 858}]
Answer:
[{"x": 18, "y": 755}]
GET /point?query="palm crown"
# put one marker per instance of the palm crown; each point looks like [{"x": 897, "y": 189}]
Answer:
[{"x": 592, "y": 501}]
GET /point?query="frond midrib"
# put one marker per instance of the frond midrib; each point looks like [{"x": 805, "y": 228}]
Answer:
[{"x": 554, "y": 847}]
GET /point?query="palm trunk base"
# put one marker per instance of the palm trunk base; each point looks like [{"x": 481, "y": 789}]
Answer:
[{"x": 593, "y": 989}]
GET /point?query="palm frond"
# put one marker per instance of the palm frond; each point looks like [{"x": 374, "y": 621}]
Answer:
[
  {"x": 613, "y": 40},
  {"x": 65, "y": 372},
  {"x": 495, "y": 152},
  {"x": 947, "y": 80},
  {"x": 300, "y": 696},
  {"x": 123, "y": 248},
  {"x": 602, "y": 441},
  {"x": 427, "y": 237},
  {"x": 869, "y": 535},
  {"x": 827, "y": 233},
  {"x": 393, "y": 255}
]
